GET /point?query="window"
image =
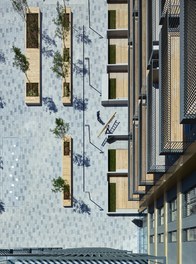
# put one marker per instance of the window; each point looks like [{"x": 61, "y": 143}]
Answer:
[
  {"x": 161, "y": 238},
  {"x": 190, "y": 234},
  {"x": 190, "y": 202},
  {"x": 152, "y": 239},
  {"x": 161, "y": 216},
  {"x": 172, "y": 236},
  {"x": 152, "y": 220},
  {"x": 172, "y": 210}
]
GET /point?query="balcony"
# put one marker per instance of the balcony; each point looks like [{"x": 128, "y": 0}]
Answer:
[
  {"x": 144, "y": 178},
  {"x": 188, "y": 63},
  {"x": 117, "y": 160},
  {"x": 155, "y": 162},
  {"x": 137, "y": 187},
  {"x": 117, "y": 16},
  {"x": 168, "y": 6},
  {"x": 118, "y": 202},
  {"x": 171, "y": 138},
  {"x": 118, "y": 83}
]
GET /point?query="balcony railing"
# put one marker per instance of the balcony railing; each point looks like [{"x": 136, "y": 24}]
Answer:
[
  {"x": 171, "y": 136},
  {"x": 188, "y": 62},
  {"x": 144, "y": 178},
  {"x": 155, "y": 162}
]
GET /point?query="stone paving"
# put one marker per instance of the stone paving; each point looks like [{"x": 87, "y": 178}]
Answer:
[{"x": 30, "y": 155}]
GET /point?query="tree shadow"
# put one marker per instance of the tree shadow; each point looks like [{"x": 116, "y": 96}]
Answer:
[
  {"x": 80, "y": 104},
  {"x": 80, "y": 207},
  {"x": 48, "y": 53},
  {"x": 80, "y": 160},
  {"x": 2, "y": 57},
  {"x": 2, "y": 103},
  {"x": 47, "y": 39},
  {"x": 49, "y": 43},
  {"x": 50, "y": 105},
  {"x": 82, "y": 36},
  {"x": 79, "y": 68},
  {"x": 1, "y": 163},
  {"x": 2, "y": 207}
]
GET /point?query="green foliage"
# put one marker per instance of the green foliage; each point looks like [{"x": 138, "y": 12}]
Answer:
[
  {"x": 61, "y": 21},
  {"x": 66, "y": 57},
  {"x": 112, "y": 160},
  {"x": 32, "y": 89},
  {"x": 20, "y": 60},
  {"x": 112, "y": 88},
  {"x": 66, "y": 89},
  {"x": 112, "y": 197},
  {"x": 111, "y": 19},
  {"x": 60, "y": 185},
  {"x": 20, "y": 7},
  {"x": 60, "y": 68},
  {"x": 61, "y": 128},
  {"x": 112, "y": 54}
]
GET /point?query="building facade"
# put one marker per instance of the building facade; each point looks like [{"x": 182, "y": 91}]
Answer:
[{"x": 161, "y": 97}]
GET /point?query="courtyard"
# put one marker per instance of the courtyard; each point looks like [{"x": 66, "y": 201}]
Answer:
[{"x": 31, "y": 155}]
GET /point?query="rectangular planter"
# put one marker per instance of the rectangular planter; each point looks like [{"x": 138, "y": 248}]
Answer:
[
  {"x": 67, "y": 56},
  {"x": 67, "y": 170},
  {"x": 32, "y": 52}
]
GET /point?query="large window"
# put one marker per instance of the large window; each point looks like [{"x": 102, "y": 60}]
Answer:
[
  {"x": 173, "y": 210},
  {"x": 152, "y": 239},
  {"x": 161, "y": 238},
  {"x": 190, "y": 202},
  {"x": 151, "y": 220},
  {"x": 189, "y": 234},
  {"x": 161, "y": 216},
  {"x": 172, "y": 236}
]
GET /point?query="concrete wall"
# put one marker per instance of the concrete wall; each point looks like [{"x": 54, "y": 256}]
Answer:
[
  {"x": 172, "y": 253},
  {"x": 189, "y": 252}
]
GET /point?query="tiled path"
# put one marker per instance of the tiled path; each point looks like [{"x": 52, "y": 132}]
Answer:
[{"x": 34, "y": 216}]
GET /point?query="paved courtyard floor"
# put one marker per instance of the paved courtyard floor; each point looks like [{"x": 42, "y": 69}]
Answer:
[{"x": 30, "y": 154}]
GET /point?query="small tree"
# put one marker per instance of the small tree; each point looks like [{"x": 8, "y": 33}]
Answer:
[
  {"x": 61, "y": 129},
  {"x": 58, "y": 184},
  {"x": 20, "y": 60},
  {"x": 62, "y": 24},
  {"x": 20, "y": 7},
  {"x": 61, "y": 185},
  {"x": 60, "y": 68}
]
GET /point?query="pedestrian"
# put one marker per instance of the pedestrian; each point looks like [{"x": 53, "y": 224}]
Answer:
[
  {"x": 98, "y": 115},
  {"x": 107, "y": 130}
]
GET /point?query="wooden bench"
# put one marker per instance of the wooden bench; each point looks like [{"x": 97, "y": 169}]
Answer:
[{"x": 67, "y": 170}]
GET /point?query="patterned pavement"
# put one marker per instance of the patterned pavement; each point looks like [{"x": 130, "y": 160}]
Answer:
[{"x": 31, "y": 155}]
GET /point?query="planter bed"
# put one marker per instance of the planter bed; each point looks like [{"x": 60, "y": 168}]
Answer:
[
  {"x": 32, "y": 52},
  {"x": 66, "y": 53},
  {"x": 32, "y": 31}
]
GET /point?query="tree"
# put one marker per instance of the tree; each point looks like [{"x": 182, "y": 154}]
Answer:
[
  {"x": 61, "y": 129},
  {"x": 59, "y": 66},
  {"x": 61, "y": 185},
  {"x": 20, "y": 7},
  {"x": 61, "y": 22},
  {"x": 20, "y": 60}
]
